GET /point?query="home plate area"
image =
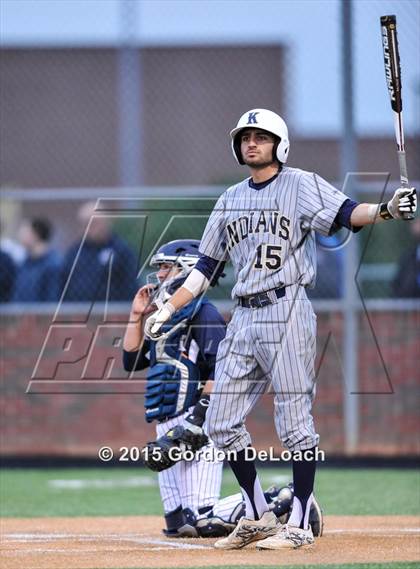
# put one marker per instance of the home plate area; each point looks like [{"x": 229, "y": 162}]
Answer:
[{"x": 134, "y": 542}]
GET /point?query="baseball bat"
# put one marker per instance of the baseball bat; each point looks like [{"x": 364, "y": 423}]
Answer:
[{"x": 393, "y": 81}]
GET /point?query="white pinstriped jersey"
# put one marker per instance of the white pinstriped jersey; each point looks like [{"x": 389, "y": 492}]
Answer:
[{"x": 268, "y": 233}]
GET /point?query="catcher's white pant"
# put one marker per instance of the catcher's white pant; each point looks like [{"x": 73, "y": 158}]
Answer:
[{"x": 195, "y": 484}]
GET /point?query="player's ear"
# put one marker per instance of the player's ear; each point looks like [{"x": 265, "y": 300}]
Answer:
[{"x": 277, "y": 141}]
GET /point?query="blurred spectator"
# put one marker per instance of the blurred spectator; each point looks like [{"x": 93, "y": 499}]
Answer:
[
  {"x": 7, "y": 276},
  {"x": 100, "y": 266},
  {"x": 407, "y": 281},
  {"x": 13, "y": 249},
  {"x": 329, "y": 277},
  {"x": 38, "y": 277},
  {"x": 7, "y": 271}
]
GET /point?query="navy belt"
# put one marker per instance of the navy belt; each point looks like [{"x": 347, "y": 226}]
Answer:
[{"x": 262, "y": 299}]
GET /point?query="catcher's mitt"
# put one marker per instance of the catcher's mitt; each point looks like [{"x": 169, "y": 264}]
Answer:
[{"x": 167, "y": 450}]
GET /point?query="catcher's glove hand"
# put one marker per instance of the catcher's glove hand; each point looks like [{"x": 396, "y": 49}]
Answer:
[
  {"x": 159, "y": 455},
  {"x": 403, "y": 204},
  {"x": 167, "y": 450},
  {"x": 155, "y": 457},
  {"x": 153, "y": 325}
]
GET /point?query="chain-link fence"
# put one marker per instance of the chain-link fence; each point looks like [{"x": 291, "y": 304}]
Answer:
[
  {"x": 102, "y": 249},
  {"x": 158, "y": 115},
  {"x": 109, "y": 149}
]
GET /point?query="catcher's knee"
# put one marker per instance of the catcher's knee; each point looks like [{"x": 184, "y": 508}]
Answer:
[{"x": 180, "y": 523}]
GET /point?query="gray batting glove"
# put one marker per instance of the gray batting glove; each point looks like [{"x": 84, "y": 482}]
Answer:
[
  {"x": 153, "y": 325},
  {"x": 403, "y": 202}
]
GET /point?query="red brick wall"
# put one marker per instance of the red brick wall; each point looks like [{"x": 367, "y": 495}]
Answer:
[{"x": 65, "y": 419}]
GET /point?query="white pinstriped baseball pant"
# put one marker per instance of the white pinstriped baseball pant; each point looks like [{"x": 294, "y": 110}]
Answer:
[{"x": 274, "y": 345}]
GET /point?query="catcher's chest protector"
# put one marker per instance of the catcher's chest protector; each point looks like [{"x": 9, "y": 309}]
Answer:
[{"x": 173, "y": 379}]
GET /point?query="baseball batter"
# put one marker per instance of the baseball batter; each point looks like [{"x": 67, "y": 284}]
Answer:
[{"x": 265, "y": 225}]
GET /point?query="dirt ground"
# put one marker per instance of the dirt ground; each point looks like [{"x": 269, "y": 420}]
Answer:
[{"x": 102, "y": 543}]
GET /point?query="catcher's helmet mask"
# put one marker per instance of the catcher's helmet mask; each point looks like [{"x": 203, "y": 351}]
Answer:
[
  {"x": 268, "y": 121},
  {"x": 182, "y": 253}
]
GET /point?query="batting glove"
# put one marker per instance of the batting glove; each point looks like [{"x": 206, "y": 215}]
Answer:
[
  {"x": 403, "y": 203},
  {"x": 153, "y": 325}
]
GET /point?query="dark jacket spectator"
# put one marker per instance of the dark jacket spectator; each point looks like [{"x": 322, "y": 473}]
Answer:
[
  {"x": 7, "y": 276},
  {"x": 407, "y": 280},
  {"x": 38, "y": 278},
  {"x": 99, "y": 266}
]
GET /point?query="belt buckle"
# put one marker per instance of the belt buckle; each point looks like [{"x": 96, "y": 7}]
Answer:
[
  {"x": 254, "y": 301},
  {"x": 259, "y": 301}
]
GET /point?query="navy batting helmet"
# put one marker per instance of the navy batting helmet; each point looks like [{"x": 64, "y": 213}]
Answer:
[{"x": 182, "y": 252}]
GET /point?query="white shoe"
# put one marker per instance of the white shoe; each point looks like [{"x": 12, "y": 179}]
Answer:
[
  {"x": 288, "y": 537},
  {"x": 248, "y": 531}
]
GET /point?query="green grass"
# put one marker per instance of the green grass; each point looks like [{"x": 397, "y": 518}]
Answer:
[{"x": 116, "y": 491}]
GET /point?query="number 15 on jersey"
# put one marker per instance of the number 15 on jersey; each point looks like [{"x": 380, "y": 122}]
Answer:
[{"x": 268, "y": 257}]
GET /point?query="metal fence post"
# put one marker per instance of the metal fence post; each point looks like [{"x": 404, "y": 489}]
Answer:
[
  {"x": 349, "y": 165},
  {"x": 129, "y": 98}
]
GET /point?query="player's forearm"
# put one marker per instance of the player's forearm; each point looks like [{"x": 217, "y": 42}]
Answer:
[
  {"x": 195, "y": 284},
  {"x": 133, "y": 337},
  {"x": 365, "y": 214},
  {"x": 180, "y": 298}
]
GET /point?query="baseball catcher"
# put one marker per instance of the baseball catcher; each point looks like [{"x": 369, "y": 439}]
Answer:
[{"x": 179, "y": 381}]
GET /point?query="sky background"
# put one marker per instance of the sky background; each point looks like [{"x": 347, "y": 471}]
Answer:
[{"x": 310, "y": 30}]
